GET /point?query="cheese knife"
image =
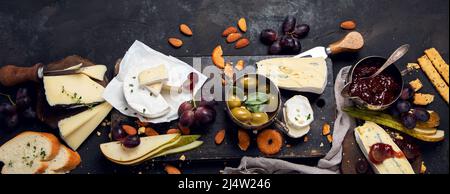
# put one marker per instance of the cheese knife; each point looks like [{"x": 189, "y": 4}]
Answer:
[{"x": 352, "y": 42}]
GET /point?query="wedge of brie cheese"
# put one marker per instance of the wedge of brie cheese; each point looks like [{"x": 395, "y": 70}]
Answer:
[
  {"x": 298, "y": 115},
  {"x": 153, "y": 75},
  {"x": 369, "y": 134},
  {"x": 76, "y": 89},
  {"x": 296, "y": 74},
  {"x": 96, "y": 72}
]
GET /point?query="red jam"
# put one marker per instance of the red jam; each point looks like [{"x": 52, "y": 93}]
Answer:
[
  {"x": 380, "y": 152},
  {"x": 380, "y": 90}
]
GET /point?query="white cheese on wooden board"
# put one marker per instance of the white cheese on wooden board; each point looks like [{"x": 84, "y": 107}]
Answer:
[
  {"x": 72, "y": 90},
  {"x": 371, "y": 133},
  {"x": 296, "y": 74},
  {"x": 77, "y": 137},
  {"x": 96, "y": 72},
  {"x": 117, "y": 153},
  {"x": 153, "y": 75}
]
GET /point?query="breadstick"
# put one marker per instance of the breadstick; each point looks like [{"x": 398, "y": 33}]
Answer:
[
  {"x": 434, "y": 76},
  {"x": 438, "y": 63}
]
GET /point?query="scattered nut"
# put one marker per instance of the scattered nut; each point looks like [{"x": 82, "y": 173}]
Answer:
[
  {"x": 229, "y": 30},
  {"x": 151, "y": 132},
  {"x": 242, "y": 43},
  {"x": 326, "y": 129},
  {"x": 129, "y": 129},
  {"x": 305, "y": 139},
  {"x": 173, "y": 131},
  {"x": 99, "y": 133},
  {"x": 330, "y": 138},
  {"x": 220, "y": 136},
  {"x": 186, "y": 30},
  {"x": 242, "y": 23},
  {"x": 183, "y": 157},
  {"x": 233, "y": 37},
  {"x": 240, "y": 65},
  {"x": 171, "y": 169},
  {"x": 228, "y": 70},
  {"x": 348, "y": 25},
  {"x": 217, "y": 58},
  {"x": 244, "y": 140},
  {"x": 141, "y": 130},
  {"x": 175, "y": 42},
  {"x": 423, "y": 168}
]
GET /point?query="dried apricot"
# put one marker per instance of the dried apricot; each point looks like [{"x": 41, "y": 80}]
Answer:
[{"x": 269, "y": 141}]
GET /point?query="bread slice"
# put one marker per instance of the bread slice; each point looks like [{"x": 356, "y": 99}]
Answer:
[
  {"x": 28, "y": 153},
  {"x": 65, "y": 161}
]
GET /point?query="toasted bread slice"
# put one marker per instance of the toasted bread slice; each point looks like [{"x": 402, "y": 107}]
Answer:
[{"x": 65, "y": 161}]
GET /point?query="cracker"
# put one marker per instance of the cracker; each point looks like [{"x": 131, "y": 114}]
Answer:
[
  {"x": 439, "y": 63},
  {"x": 435, "y": 77}
]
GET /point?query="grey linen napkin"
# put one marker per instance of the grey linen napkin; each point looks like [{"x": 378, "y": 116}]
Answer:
[{"x": 327, "y": 165}]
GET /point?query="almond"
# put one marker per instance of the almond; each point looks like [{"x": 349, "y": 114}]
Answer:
[
  {"x": 175, "y": 42},
  {"x": 173, "y": 131},
  {"x": 305, "y": 139},
  {"x": 151, "y": 132},
  {"x": 348, "y": 25},
  {"x": 233, "y": 37},
  {"x": 142, "y": 124},
  {"x": 186, "y": 30},
  {"x": 240, "y": 65},
  {"x": 171, "y": 169},
  {"x": 242, "y": 23},
  {"x": 326, "y": 129},
  {"x": 244, "y": 140},
  {"x": 129, "y": 129},
  {"x": 330, "y": 138},
  {"x": 229, "y": 30},
  {"x": 217, "y": 58},
  {"x": 242, "y": 43},
  {"x": 228, "y": 70},
  {"x": 220, "y": 136}
]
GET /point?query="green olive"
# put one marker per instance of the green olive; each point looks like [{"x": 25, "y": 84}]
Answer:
[
  {"x": 234, "y": 102},
  {"x": 249, "y": 82},
  {"x": 259, "y": 119},
  {"x": 241, "y": 114}
]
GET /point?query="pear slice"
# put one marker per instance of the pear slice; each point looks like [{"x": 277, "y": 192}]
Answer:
[
  {"x": 181, "y": 148},
  {"x": 425, "y": 131},
  {"x": 115, "y": 152}
]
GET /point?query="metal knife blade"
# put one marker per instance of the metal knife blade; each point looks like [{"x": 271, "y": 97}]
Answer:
[
  {"x": 315, "y": 52},
  {"x": 42, "y": 71}
]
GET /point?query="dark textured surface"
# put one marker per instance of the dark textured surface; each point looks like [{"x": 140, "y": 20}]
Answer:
[{"x": 48, "y": 30}]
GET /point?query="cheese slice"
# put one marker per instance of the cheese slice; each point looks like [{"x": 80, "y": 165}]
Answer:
[
  {"x": 117, "y": 153},
  {"x": 72, "y": 90},
  {"x": 77, "y": 137},
  {"x": 296, "y": 74},
  {"x": 96, "y": 72},
  {"x": 155, "y": 89},
  {"x": 371, "y": 133},
  {"x": 69, "y": 125},
  {"x": 154, "y": 75},
  {"x": 299, "y": 112}
]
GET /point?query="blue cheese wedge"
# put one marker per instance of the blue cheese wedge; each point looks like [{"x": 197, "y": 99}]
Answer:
[
  {"x": 298, "y": 115},
  {"x": 77, "y": 89},
  {"x": 369, "y": 134},
  {"x": 296, "y": 74}
]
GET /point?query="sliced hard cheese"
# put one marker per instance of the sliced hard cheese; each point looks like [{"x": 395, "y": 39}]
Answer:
[
  {"x": 69, "y": 125},
  {"x": 369, "y": 134},
  {"x": 297, "y": 74},
  {"x": 117, "y": 153},
  {"x": 153, "y": 75},
  {"x": 155, "y": 89},
  {"x": 97, "y": 71},
  {"x": 72, "y": 90},
  {"x": 77, "y": 137}
]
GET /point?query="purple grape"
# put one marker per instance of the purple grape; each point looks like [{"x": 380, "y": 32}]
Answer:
[
  {"x": 29, "y": 113},
  {"x": 7, "y": 109},
  {"x": 275, "y": 48},
  {"x": 407, "y": 93},
  {"x": 301, "y": 31},
  {"x": 408, "y": 120},
  {"x": 394, "y": 112},
  {"x": 118, "y": 134},
  {"x": 207, "y": 101},
  {"x": 131, "y": 141},
  {"x": 185, "y": 106},
  {"x": 289, "y": 24},
  {"x": 22, "y": 93},
  {"x": 12, "y": 121},
  {"x": 287, "y": 43},
  {"x": 204, "y": 116},
  {"x": 421, "y": 114},
  {"x": 403, "y": 106},
  {"x": 23, "y": 103},
  {"x": 297, "y": 46},
  {"x": 187, "y": 119},
  {"x": 268, "y": 36}
]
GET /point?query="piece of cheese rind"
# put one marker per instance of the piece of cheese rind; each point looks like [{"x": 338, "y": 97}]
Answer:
[
  {"x": 76, "y": 138},
  {"x": 153, "y": 75},
  {"x": 369, "y": 134},
  {"x": 434, "y": 76},
  {"x": 96, "y": 72},
  {"x": 296, "y": 74},
  {"x": 439, "y": 63},
  {"x": 77, "y": 89}
]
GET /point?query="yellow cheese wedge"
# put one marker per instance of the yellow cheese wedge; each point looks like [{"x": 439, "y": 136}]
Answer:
[
  {"x": 115, "y": 152},
  {"x": 96, "y": 72},
  {"x": 154, "y": 75},
  {"x": 77, "y": 137},
  {"x": 72, "y": 90}
]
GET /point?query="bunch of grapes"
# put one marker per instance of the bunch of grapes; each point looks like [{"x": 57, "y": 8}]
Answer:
[
  {"x": 21, "y": 108},
  {"x": 193, "y": 115},
  {"x": 289, "y": 42},
  {"x": 402, "y": 109}
]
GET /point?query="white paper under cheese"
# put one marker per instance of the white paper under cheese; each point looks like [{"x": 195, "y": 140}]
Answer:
[
  {"x": 96, "y": 72},
  {"x": 371, "y": 133},
  {"x": 76, "y": 138},
  {"x": 297, "y": 74},
  {"x": 115, "y": 151},
  {"x": 67, "y": 90}
]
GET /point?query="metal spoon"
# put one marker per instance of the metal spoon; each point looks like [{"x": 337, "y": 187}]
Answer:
[{"x": 399, "y": 53}]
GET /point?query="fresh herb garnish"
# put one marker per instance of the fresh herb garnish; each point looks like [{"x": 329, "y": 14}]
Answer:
[{"x": 308, "y": 117}]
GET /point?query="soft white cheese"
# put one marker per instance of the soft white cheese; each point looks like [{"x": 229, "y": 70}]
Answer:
[
  {"x": 153, "y": 75},
  {"x": 298, "y": 115}
]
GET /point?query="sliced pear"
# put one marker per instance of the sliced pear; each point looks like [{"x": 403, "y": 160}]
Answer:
[
  {"x": 425, "y": 131},
  {"x": 180, "y": 149},
  {"x": 439, "y": 136},
  {"x": 115, "y": 152}
]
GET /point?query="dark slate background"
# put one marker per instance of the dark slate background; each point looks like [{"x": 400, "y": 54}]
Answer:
[{"x": 102, "y": 30}]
